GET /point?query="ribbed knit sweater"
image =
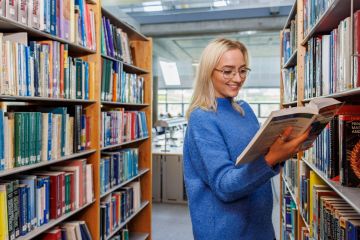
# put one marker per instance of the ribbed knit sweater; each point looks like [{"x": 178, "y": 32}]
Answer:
[{"x": 226, "y": 202}]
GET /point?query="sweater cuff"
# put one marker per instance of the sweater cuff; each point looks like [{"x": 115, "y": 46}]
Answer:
[{"x": 274, "y": 169}]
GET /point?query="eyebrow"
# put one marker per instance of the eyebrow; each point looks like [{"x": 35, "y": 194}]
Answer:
[{"x": 232, "y": 66}]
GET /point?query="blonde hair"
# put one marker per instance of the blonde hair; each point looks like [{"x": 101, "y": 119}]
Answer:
[{"x": 204, "y": 93}]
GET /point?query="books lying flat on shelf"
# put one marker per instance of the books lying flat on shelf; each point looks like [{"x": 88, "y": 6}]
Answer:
[{"x": 316, "y": 114}]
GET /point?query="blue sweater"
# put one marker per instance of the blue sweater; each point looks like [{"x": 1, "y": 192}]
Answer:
[{"x": 226, "y": 201}]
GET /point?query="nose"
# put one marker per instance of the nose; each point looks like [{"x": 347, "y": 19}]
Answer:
[{"x": 237, "y": 78}]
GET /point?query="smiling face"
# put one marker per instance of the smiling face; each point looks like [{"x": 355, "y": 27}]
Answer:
[{"x": 232, "y": 60}]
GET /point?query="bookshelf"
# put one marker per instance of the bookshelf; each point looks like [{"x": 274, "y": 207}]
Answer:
[
  {"x": 139, "y": 223},
  {"x": 328, "y": 20}
]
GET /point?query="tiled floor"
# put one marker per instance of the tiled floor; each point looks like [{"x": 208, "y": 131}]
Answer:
[{"x": 172, "y": 221}]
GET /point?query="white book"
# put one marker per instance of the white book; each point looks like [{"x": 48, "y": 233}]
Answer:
[
  {"x": 70, "y": 232},
  {"x": 11, "y": 11},
  {"x": 75, "y": 228},
  {"x": 30, "y": 14},
  {"x": 89, "y": 183},
  {"x": 137, "y": 195},
  {"x": 23, "y": 12},
  {"x": 347, "y": 54},
  {"x": 72, "y": 21},
  {"x": 316, "y": 114},
  {"x": 2, "y": 8},
  {"x": 325, "y": 64},
  {"x": 41, "y": 17},
  {"x": 6, "y": 142}
]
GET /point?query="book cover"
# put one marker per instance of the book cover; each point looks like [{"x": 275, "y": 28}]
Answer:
[
  {"x": 12, "y": 9},
  {"x": 316, "y": 115},
  {"x": 4, "y": 231},
  {"x": 349, "y": 150}
]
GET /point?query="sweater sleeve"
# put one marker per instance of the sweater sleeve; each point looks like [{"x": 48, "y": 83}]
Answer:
[{"x": 211, "y": 160}]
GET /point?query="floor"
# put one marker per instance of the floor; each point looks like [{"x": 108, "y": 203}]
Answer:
[{"x": 172, "y": 221}]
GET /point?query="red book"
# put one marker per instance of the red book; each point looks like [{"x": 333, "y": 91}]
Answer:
[
  {"x": 53, "y": 234},
  {"x": 81, "y": 164},
  {"x": 87, "y": 26},
  {"x": 56, "y": 198}
]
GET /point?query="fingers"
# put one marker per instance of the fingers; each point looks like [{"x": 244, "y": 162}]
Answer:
[
  {"x": 286, "y": 133},
  {"x": 302, "y": 137}
]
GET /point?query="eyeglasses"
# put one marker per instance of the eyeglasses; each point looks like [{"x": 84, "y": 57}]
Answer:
[{"x": 230, "y": 73}]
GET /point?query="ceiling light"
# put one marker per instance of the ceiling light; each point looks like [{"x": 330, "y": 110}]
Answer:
[
  {"x": 152, "y": 6},
  {"x": 170, "y": 73},
  {"x": 220, "y": 3}
]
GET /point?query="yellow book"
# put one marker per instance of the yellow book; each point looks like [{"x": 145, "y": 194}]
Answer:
[
  {"x": 4, "y": 233},
  {"x": 313, "y": 180}
]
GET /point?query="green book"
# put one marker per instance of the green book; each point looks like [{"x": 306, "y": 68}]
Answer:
[
  {"x": 26, "y": 141},
  {"x": 78, "y": 64},
  {"x": 18, "y": 139}
]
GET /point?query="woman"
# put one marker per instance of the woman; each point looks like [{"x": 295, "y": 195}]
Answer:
[{"x": 227, "y": 201}]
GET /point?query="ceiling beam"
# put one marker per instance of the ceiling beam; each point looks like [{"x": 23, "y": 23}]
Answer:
[{"x": 213, "y": 27}]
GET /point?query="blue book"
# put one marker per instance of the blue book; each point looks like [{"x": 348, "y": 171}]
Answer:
[
  {"x": 23, "y": 209},
  {"x": 27, "y": 70},
  {"x": 35, "y": 54},
  {"x": 86, "y": 64},
  {"x": 49, "y": 136},
  {"x": 47, "y": 199},
  {"x": 39, "y": 210},
  {"x": 30, "y": 181},
  {"x": 53, "y": 17},
  {"x": 102, "y": 176}
]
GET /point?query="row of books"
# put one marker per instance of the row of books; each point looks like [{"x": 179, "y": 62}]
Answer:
[
  {"x": 290, "y": 84},
  {"x": 313, "y": 11},
  {"x": 120, "y": 86},
  {"x": 335, "y": 151},
  {"x": 290, "y": 173},
  {"x": 118, "y": 126},
  {"x": 42, "y": 69},
  {"x": 115, "y": 42},
  {"x": 30, "y": 201},
  {"x": 118, "y": 206},
  {"x": 68, "y": 231},
  {"x": 289, "y": 43},
  {"x": 118, "y": 166},
  {"x": 332, "y": 216},
  {"x": 328, "y": 62},
  {"x": 123, "y": 234},
  {"x": 72, "y": 20},
  {"x": 289, "y": 213},
  {"x": 45, "y": 134}
]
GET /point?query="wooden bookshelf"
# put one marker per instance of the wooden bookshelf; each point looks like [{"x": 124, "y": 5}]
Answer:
[
  {"x": 329, "y": 20},
  {"x": 141, "y": 51}
]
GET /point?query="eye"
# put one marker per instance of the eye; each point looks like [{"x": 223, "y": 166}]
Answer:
[
  {"x": 243, "y": 71},
  {"x": 227, "y": 72}
]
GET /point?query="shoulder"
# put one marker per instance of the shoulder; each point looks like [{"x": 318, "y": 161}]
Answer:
[{"x": 203, "y": 123}]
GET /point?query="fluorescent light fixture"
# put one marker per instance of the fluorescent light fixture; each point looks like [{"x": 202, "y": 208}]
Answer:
[
  {"x": 170, "y": 73},
  {"x": 152, "y": 6},
  {"x": 221, "y": 3}
]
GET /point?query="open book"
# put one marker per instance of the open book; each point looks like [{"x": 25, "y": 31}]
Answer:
[{"x": 316, "y": 114}]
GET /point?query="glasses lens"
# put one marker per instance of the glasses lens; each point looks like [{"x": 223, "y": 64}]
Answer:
[
  {"x": 228, "y": 74},
  {"x": 244, "y": 72}
]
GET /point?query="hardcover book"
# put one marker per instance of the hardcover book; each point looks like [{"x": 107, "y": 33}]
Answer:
[{"x": 316, "y": 115}]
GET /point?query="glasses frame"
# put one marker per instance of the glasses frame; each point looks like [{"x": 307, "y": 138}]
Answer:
[{"x": 234, "y": 72}]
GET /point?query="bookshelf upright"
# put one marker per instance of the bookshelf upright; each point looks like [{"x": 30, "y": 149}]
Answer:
[{"x": 327, "y": 27}]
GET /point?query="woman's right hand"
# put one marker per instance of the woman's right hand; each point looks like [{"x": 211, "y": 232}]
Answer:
[{"x": 282, "y": 150}]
